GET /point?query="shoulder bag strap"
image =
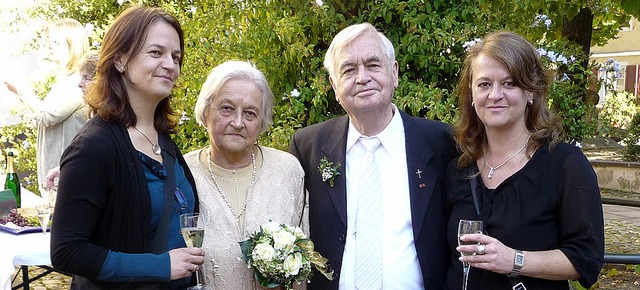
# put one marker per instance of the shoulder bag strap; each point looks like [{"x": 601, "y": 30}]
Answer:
[{"x": 474, "y": 184}]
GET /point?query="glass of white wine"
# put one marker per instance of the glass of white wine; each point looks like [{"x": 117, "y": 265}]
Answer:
[
  {"x": 43, "y": 212},
  {"x": 467, "y": 227},
  {"x": 43, "y": 209},
  {"x": 192, "y": 228}
]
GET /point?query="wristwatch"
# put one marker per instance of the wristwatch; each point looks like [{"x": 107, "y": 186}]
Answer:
[{"x": 518, "y": 262}]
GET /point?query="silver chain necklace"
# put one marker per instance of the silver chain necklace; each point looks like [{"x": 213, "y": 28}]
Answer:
[
  {"x": 493, "y": 169},
  {"x": 155, "y": 147},
  {"x": 224, "y": 197}
]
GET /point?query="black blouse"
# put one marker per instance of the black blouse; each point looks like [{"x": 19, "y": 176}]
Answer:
[{"x": 553, "y": 202}]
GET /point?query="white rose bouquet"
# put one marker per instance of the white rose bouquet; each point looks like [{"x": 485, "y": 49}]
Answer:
[{"x": 282, "y": 255}]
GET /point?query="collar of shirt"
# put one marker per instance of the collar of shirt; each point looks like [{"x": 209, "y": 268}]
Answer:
[{"x": 388, "y": 137}]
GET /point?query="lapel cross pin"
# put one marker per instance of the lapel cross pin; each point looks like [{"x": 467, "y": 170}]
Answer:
[{"x": 419, "y": 173}]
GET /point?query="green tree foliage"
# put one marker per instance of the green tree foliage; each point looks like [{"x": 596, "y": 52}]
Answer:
[
  {"x": 616, "y": 114},
  {"x": 287, "y": 40},
  {"x": 632, "y": 152}
]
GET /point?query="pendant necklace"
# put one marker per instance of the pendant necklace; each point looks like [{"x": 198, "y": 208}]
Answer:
[
  {"x": 493, "y": 169},
  {"x": 155, "y": 147},
  {"x": 224, "y": 197}
]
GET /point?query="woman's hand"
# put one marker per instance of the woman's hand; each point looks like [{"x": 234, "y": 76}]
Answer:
[
  {"x": 497, "y": 257},
  {"x": 11, "y": 88},
  {"x": 185, "y": 261},
  {"x": 50, "y": 179},
  {"x": 549, "y": 264}
]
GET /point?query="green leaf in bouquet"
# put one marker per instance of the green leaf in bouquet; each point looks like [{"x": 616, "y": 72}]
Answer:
[
  {"x": 264, "y": 281},
  {"x": 245, "y": 247}
]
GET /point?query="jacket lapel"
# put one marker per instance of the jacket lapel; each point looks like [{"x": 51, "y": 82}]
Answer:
[
  {"x": 421, "y": 177},
  {"x": 334, "y": 148}
]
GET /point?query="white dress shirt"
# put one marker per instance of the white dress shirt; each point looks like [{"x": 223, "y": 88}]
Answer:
[{"x": 400, "y": 266}]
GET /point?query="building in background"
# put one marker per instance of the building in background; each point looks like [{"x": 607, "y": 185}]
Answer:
[{"x": 622, "y": 58}]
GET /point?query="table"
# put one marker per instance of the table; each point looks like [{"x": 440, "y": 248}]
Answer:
[{"x": 22, "y": 250}]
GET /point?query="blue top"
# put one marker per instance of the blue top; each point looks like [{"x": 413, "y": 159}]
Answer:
[{"x": 126, "y": 267}]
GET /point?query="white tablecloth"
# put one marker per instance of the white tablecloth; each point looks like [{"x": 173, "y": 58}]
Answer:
[{"x": 22, "y": 250}]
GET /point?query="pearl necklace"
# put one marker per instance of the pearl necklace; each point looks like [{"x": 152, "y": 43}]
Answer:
[
  {"x": 493, "y": 169},
  {"x": 154, "y": 147},
  {"x": 224, "y": 197}
]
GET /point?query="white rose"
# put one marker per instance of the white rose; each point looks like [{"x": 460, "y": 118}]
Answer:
[
  {"x": 263, "y": 252},
  {"x": 299, "y": 233},
  {"x": 293, "y": 263},
  {"x": 283, "y": 239},
  {"x": 271, "y": 227}
]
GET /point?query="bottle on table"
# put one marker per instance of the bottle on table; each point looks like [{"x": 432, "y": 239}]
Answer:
[{"x": 12, "y": 181}]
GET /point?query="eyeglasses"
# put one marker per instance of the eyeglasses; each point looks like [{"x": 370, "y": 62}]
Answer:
[{"x": 182, "y": 201}]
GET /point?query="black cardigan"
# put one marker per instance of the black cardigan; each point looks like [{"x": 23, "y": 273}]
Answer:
[{"x": 103, "y": 200}]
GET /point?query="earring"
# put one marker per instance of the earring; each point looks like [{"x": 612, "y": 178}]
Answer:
[
  {"x": 473, "y": 104},
  {"x": 530, "y": 102}
]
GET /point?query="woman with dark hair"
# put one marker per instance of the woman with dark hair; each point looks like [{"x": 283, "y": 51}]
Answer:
[
  {"x": 537, "y": 196},
  {"x": 123, "y": 182}
]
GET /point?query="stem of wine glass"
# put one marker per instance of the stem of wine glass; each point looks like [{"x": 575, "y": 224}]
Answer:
[
  {"x": 198, "y": 272},
  {"x": 465, "y": 275}
]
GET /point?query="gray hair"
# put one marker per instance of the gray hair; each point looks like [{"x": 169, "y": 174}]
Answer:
[
  {"x": 234, "y": 70},
  {"x": 346, "y": 36}
]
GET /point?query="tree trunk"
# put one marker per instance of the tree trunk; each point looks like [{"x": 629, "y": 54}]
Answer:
[{"x": 579, "y": 29}]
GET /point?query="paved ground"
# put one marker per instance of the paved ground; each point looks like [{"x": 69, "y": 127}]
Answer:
[{"x": 625, "y": 213}]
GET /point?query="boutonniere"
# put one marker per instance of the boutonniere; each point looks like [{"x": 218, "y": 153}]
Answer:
[{"x": 328, "y": 170}]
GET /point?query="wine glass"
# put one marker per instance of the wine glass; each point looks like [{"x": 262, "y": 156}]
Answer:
[
  {"x": 192, "y": 228},
  {"x": 43, "y": 209},
  {"x": 467, "y": 227},
  {"x": 43, "y": 212}
]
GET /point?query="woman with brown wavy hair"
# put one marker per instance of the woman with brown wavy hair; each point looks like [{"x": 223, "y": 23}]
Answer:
[
  {"x": 123, "y": 182},
  {"x": 537, "y": 196}
]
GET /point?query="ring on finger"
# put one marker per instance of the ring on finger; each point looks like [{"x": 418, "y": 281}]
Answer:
[{"x": 480, "y": 249}]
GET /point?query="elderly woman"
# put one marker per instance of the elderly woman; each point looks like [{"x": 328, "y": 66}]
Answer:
[
  {"x": 246, "y": 185},
  {"x": 537, "y": 196},
  {"x": 123, "y": 182},
  {"x": 88, "y": 72}
]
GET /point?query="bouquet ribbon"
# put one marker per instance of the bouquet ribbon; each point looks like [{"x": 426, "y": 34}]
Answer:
[{"x": 319, "y": 262}]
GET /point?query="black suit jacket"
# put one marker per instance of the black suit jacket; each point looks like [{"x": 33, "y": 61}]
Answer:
[{"x": 429, "y": 147}]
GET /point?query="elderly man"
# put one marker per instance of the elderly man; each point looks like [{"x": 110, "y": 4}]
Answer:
[{"x": 374, "y": 176}]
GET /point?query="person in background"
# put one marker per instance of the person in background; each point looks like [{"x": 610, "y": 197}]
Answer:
[
  {"x": 395, "y": 238},
  {"x": 62, "y": 112},
  {"x": 123, "y": 182},
  {"x": 247, "y": 185},
  {"x": 88, "y": 72},
  {"x": 537, "y": 196}
]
